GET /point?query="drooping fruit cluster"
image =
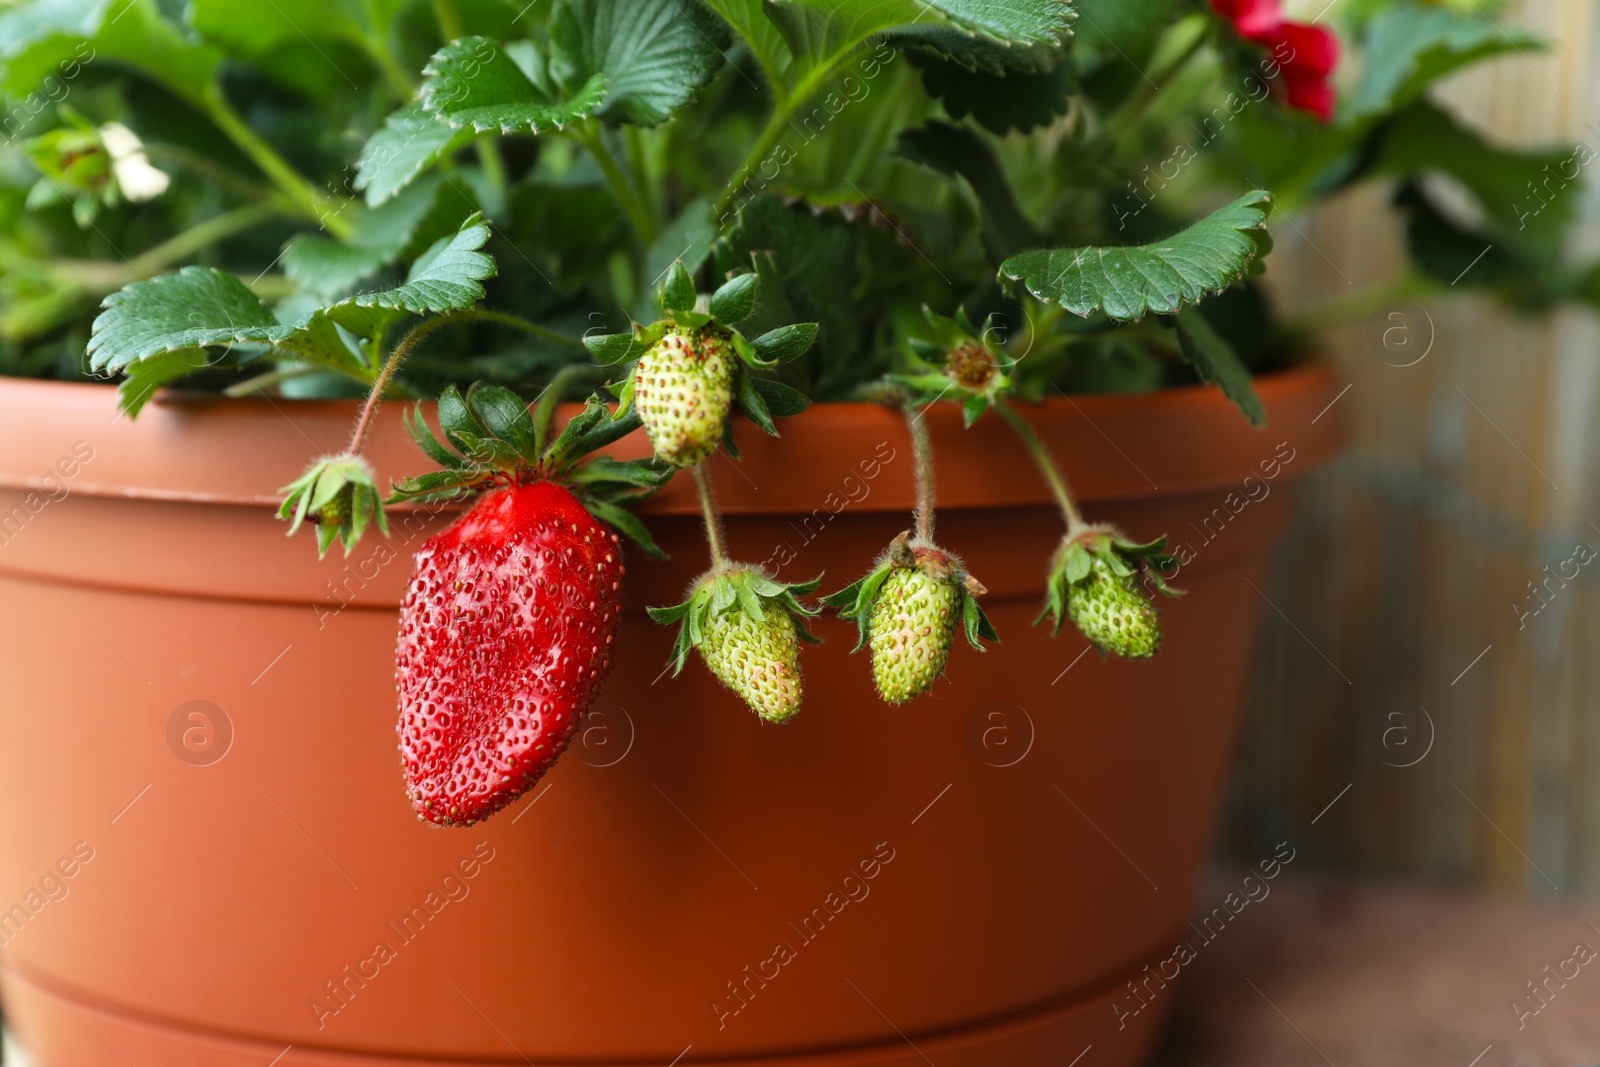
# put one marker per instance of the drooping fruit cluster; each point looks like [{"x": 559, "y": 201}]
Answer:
[
  {"x": 1097, "y": 580},
  {"x": 748, "y": 628},
  {"x": 908, "y": 610},
  {"x": 506, "y": 633},
  {"x": 683, "y": 388},
  {"x": 508, "y": 625}
]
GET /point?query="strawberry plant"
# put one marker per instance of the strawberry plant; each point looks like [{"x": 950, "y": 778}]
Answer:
[{"x": 686, "y": 214}]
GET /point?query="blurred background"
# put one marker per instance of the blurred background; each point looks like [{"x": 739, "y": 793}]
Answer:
[{"x": 1425, "y": 674}]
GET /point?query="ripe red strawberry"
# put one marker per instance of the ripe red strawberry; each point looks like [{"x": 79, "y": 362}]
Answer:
[{"x": 505, "y": 636}]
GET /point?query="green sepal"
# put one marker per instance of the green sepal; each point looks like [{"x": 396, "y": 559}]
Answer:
[
  {"x": 457, "y": 420},
  {"x": 417, "y": 426},
  {"x": 338, "y": 493},
  {"x": 855, "y": 601},
  {"x": 506, "y": 417},
  {"x": 736, "y": 299},
  {"x": 626, "y": 523},
  {"x": 750, "y": 401},
  {"x": 785, "y": 344},
  {"x": 609, "y": 349},
  {"x": 740, "y": 587},
  {"x": 677, "y": 289},
  {"x": 975, "y": 622}
]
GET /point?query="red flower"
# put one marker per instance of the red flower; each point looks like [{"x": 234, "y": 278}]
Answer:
[
  {"x": 1305, "y": 55},
  {"x": 1252, "y": 18}
]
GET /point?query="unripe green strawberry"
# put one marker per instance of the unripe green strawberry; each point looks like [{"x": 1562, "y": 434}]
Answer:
[
  {"x": 748, "y": 628},
  {"x": 912, "y": 624},
  {"x": 908, "y": 609},
  {"x": 758, "y": 659},
  {"x": 1098, "y": 580},
  {"x": 683, "y": 388},
  {"x": 1111, "y": 611}
]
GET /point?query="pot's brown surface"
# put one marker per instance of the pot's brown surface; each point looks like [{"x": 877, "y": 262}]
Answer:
[{"x": 687, "y": 882}]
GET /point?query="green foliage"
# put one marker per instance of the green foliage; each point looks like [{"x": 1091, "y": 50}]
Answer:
[
  {"x": 1162, "y": 277},
  {"x": 832, "y": 182}
]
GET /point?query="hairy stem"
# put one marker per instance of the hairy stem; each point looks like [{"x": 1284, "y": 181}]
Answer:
[
  {"x": 1047, "y": 467},
  {"x": 262, "y": 382},
  {"x": 708, "y": 511},
  {"x": 922, "y": 452},
  {"x": 517, "y": 322},
  {"x": 358, "y": 438},
  {"x": 621, "y": 186},
  {"x": 307, "y": 199}
]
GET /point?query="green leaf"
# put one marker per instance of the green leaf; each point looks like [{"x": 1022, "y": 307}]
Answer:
[
  {"x": 809, "y": 272},
  {"x": 959, "y": 152},
  {"x": 1219, "y": 364},
  {"x": 1529, "y": 197},
  {"x": 411, "y": 140},
  {"x": 1410, "y": 45},
  {"x": 327, "y": 268},
  {"x": 736, "y": 299},
  {"x": 475, "y": 83},
  {"x": 201, "y": 306},
  {"x": 786, "y": 343},
  {"x": 251, "y": 29},
  {"x": 40, "y": 38},
  {"x": 677, "y": 291},
  {"x": 650, "y": 55},
  {"x": 992, "y": 35},
  {"x": 148, "y": 375},
  {"x": 749, "y": 20},
  {"x": 1014, "y": 101},
  {"x": 1163, "y": 277},
  {"x": 1116, "y": 30},
  {"x": 196, "y": 307}
]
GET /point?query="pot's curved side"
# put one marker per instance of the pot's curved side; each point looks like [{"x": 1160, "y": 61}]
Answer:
[{"x": 980, "y": 871}]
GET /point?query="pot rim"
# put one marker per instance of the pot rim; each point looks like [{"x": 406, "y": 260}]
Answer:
[{"x": 206, "y": 449}]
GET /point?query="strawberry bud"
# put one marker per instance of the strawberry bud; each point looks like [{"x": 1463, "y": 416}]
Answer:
[{"x": 340, "y": 495}]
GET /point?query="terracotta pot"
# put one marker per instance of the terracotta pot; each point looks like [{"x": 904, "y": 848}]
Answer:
[{"x": 972, "y": 879}]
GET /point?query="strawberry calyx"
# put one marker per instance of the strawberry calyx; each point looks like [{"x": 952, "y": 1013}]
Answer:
[
  {"x": 734, "y": 587},
  {"x": 716, "y": 318},
  {"x": 1099, "y": 573},
  {"x": 340, "y": 495},
  {"x": 492, "y": 441},
  {"x": 959, "y": 363},
  {"x": 856, "y": 601},
  {"x": 747, "y": 627}
]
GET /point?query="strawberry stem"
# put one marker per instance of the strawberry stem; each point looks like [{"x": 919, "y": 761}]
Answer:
[
  {"x": 708, "y": 511},
  {"x": 1047, "y": 467},
  {"x": 358, "y": 438},
  {"x": 922, "y": 452}
]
